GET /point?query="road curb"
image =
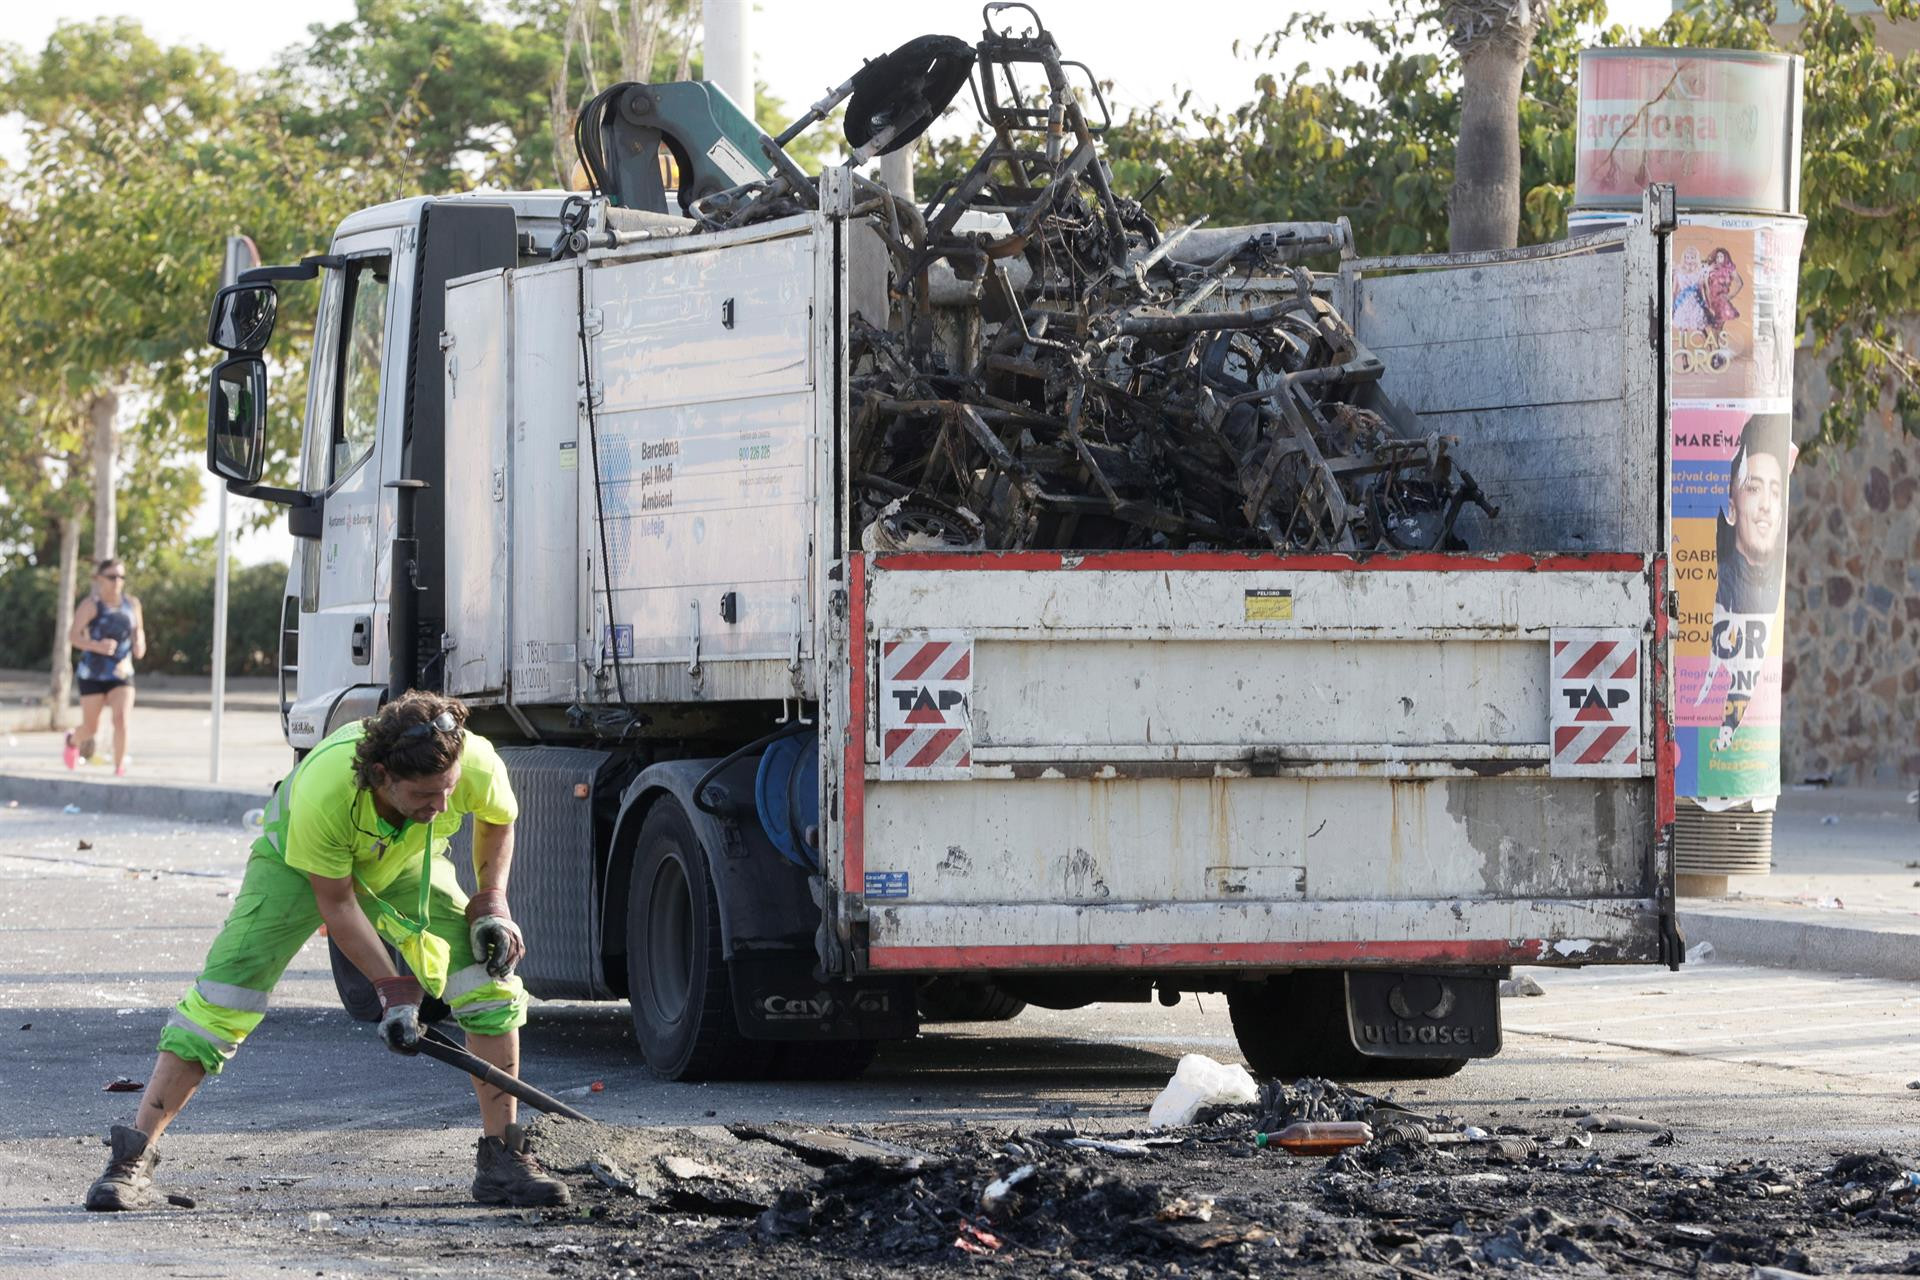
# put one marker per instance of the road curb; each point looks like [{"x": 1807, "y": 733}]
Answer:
[
  {"x": 179, "y": 801},
  {"x": 1797, "y": 944}
]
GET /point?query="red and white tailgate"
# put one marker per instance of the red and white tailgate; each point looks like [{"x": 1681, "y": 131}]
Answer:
[{"x": 1219, "y": 760}]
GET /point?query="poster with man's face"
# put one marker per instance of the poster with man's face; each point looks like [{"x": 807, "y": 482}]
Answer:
[{"x": 1731, "y": 470}]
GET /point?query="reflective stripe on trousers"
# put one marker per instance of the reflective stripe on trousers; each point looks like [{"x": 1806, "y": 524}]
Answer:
[{"x": 273, "y": 915}]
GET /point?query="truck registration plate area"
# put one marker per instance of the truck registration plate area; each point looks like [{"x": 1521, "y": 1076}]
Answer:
[
  {"x": 1423, "y": 1015},
  {"x": 925, "y": 700}
]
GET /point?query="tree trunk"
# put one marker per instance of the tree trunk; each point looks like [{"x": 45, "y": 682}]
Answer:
[
  {"x": 102, "y": 410},
  {"x": 60, "y": 690},
  {"x": 1493, "y": 37}
]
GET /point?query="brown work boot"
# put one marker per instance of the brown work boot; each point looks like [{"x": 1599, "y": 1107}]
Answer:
[
  {"x": 128, "y": 1181},
  {"x": 505, "y": 1174}
]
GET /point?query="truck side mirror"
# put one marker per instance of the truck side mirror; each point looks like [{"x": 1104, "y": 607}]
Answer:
[
  {"x": 242, "y": 319},
  {"x": 237, "y": 420}
]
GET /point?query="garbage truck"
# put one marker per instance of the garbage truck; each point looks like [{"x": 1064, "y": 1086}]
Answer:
[{"x": 1184, "y": 652}]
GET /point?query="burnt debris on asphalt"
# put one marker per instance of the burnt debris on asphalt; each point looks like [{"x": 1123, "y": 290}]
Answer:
[{"x": 1431, "y": 1194}]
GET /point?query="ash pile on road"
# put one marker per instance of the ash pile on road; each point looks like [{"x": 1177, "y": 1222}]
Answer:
[{"x": 1431, "y": 1194}]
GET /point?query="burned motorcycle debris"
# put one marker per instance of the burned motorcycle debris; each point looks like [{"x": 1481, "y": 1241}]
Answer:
[{"x": 1055, "y": 370}]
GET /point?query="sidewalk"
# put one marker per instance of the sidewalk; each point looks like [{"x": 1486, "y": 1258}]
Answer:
[
  {"x": 1844, "y": 895},
  {"x": 169, "y": 774}
]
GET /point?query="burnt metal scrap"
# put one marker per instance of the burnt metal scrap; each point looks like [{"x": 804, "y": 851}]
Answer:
[{"x": 1057, "y": 371}]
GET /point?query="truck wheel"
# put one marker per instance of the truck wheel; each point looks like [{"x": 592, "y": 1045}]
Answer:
[
  {"x": 1296, "y": 1025},
  {"x": 967, "y": 1000},
  {"x": 358, "y": 997},
  {"x": 677, "y": 980}
]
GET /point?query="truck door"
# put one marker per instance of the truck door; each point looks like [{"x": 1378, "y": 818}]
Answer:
[{"x": 342, "y": 641}]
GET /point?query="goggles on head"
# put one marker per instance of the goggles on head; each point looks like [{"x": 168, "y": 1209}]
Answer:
[{"x": 442, "y": 723}]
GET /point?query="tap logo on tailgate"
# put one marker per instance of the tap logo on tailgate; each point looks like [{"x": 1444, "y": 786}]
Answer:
[
  {"x": 1595, "y": 689},
  {"x": 926, "y": 706}
]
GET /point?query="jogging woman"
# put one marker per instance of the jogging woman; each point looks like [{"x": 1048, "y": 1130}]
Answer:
[{"x": 111, "y": 635}]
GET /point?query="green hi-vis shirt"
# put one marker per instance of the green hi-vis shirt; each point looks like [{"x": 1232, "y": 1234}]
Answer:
[{"x": 320, "y": 821}]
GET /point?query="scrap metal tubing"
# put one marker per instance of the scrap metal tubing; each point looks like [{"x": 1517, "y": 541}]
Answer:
[
  {"x": 993, "y": 408},
  {"x": 904, "y": 209},
  {"x": 868, "y": 480},
  {"x": 769, "y": 191},
  {"x": 1299, "y": 377},
  {"x": 885, "y": 405},
  {"x": 873, "y": 145},
  {"x": 793, "y": 173},
  {"x": 1076, "y": 401},
  {"x": 1062, "y": 180},
  {"x": 1137, "y": 324},
  {"x": 1013, "y": 365},
  {"x": 995, "y": 411},
  {"x": 1289, "y": 240},
  {"x": 815, "y": 113},
  {"x": 1003, "y": 49},
  {"x": 1162, "y": 249},
  {"x": 1302, "y": 441},
  {"x": 983, "y": 435},
  {"x": 958, "y": 201},
  {"x": 1097, "y": 175}
]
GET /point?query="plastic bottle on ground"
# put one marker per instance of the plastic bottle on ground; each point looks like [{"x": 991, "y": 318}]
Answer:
[{"x": 1317, "y": 1137}]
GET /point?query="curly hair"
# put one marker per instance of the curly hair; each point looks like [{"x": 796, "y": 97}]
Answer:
[{"x": 392, "y": 739}]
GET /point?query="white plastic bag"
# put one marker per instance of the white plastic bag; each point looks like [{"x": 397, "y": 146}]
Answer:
[{"x": 1197, "y": 1082}]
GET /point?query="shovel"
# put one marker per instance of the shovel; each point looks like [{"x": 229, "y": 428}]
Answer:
[{"x": 436, "y": 1045}]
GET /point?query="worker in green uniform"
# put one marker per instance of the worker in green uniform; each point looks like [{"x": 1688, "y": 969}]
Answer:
[{"x": 354, "y": 838}]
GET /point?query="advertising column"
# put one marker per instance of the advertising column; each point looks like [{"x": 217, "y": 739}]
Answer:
[
  {"x": 1730, "y": 347},
  {"x": 1724, "y": 127}
]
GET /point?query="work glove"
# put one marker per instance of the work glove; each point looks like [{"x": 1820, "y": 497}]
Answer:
[
  {"x": 400, "y": 1012},
  {"x": 496, "y": 939}
]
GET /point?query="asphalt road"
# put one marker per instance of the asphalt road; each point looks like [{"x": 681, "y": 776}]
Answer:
[{"x": 314, "y": 1117}]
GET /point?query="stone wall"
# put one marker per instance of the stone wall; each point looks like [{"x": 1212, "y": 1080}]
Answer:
[{"x": 1851, "y": 707}]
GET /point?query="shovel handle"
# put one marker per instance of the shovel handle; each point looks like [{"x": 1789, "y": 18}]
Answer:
[{"x": 436, "y": 1045}]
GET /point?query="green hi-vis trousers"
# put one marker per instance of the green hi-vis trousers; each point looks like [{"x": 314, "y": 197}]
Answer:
[{"x": 272, "y": 918}]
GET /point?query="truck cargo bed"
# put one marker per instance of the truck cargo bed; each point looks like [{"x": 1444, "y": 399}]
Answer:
[{"x": 1192, "y": 759}]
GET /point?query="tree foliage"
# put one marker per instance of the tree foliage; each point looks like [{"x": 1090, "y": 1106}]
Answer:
[
  {"x": 471, "y": 93},
  {"x": 474, "y": 93},
  {"x": 140, "y": 160}
]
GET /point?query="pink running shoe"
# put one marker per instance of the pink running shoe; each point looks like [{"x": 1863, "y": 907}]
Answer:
[
  {"x": 120, "y": 770},
  {"x": 70, "y": 753}
]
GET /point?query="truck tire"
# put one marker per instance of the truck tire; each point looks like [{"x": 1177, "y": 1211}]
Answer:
[
  {"x": 967, "y": 1000},
  {"x": 357, "y": 995},
  {"x": 678, "y": 984},
  {"x": 1295, "y": 1025}
]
